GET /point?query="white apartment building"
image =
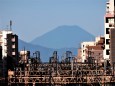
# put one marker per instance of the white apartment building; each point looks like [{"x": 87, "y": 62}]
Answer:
[
  {"x": 3, "y": 41},
  {"x": 109, "y": 24},
  {"x": 84, "y": 45}
]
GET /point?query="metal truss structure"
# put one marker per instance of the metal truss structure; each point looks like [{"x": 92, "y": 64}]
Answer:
[{"x": 63, "y": 73}]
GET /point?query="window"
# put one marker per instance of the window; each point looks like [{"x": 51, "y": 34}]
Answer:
[
  {"x": 111, "y": 20},
  {"x": 83, "y": 45},
  {"x": 107, "y": 20},
  {"x": 107, "y": 9},
  {"x": 107, "y": 41},
  {"x": 107, "y": 52},
  {"x": 107, "y": 30},
  {"x": 110, "y": 25},
  {"x": 83, "y": 51}
]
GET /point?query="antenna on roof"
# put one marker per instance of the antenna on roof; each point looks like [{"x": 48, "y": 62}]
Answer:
[{"x": 10, "y": 25}]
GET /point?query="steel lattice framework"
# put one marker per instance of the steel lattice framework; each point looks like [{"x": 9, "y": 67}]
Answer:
[{"x": 56, "y": 73}]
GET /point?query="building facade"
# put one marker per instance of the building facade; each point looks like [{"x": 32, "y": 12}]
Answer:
[
  {"x": 112, "y": 45},
  {"x": 24, "y": 56},
  {"x": 96, "y": 52},
  {"x": 3, "y": 42},
  {"x": 84, "y": 49},
  {"x": 92, "y": 49},
  {"x": 109, "y": 27},
  {"x": 12, "y": 46},
  {"x": 9, "y": 43}
]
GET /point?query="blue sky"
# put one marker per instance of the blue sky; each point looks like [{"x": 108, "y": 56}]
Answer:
[{"x": 32, "y": 18}]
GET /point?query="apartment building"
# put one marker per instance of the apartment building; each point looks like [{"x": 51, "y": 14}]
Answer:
[
  {"x": 9, "y": 44},
  {"x": 92, "y": 49},
  {"x": 109, "y": 31}
]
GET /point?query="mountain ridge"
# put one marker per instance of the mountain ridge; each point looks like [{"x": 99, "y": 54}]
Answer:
[
  {"x": 69, "y": 37},
  {"x": 63, "y": 37},
  {"x": 45, "y": 53}
]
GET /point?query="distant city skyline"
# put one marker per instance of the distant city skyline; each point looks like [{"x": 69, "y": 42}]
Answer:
[{"x": 33, "y": 18}]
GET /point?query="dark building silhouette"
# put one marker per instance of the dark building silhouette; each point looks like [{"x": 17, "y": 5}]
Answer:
[{"x": 12, "y": 46}]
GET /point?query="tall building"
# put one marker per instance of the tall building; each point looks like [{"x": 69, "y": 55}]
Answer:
[
  {"x": 109, "y": 31},
  {"x": 12, "y": 45},
  {"x": 112, "y": 45},
  {"x": 9, "y": 43},
  {"x": 3, "y": 42}
]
